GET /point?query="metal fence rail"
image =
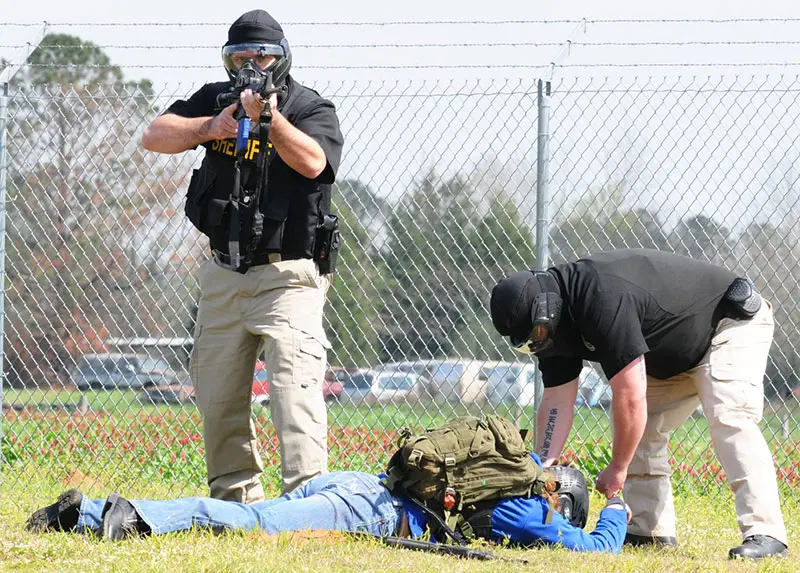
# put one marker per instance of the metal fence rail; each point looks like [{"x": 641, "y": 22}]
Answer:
[{"x": 438, "y": 196}]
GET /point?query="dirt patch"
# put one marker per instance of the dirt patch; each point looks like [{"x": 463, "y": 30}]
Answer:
[
  {"x": 81, "y": 481},
  {"x": 300, "y": 538}
]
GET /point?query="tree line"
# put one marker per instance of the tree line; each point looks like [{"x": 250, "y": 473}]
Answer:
[
  {"x": 424, "y": 291},
  {"x": 97, "y": 244}
]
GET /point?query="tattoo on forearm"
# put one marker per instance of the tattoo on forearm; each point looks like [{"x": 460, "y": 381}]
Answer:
[
  {"x": 548, "y": 431},
  {"x": 642, "y": 370}
]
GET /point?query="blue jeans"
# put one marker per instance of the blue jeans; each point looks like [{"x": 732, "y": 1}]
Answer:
[{"x": 342, "y": 501}]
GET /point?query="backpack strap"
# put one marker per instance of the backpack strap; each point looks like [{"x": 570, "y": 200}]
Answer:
[
  {"x": 449, "y": 466},
  {"x": 478, "y": 519},
  {"x": 548, "y": 519},
  {"x": 438, "y": 525}
]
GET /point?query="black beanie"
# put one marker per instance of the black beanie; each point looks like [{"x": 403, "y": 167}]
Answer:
[{"x": 255, "y": 27}]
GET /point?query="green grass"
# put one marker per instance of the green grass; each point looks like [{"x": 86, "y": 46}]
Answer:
[
  {"x": 156, "y": 452},
  {"x": 707, "y": 529}
]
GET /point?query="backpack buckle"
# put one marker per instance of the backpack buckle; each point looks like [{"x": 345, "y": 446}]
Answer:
[
  {"x": 415, "y": 457},
  {"x": 449, "y": 461},
  {"x": 449, "y": 500}
]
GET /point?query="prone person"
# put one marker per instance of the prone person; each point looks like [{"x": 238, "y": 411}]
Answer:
[
  {"x": 347, "y": 501},
  {"x": 670, "y": 332}
]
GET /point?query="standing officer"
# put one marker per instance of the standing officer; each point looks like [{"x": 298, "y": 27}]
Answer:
[
  {"x": 263, "y": 199},
  {"x": 668, "y": 331}
]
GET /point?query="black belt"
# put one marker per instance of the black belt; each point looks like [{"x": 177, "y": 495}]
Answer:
[{"x": 224, "y": 259}]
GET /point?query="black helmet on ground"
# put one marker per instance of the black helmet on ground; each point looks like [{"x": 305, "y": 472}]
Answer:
[{"x": 573, "y": 494}]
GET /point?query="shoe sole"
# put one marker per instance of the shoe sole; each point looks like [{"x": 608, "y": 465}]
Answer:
[
  {"x": 49, "y": 518},
  {"x": 736, "y": 557}
]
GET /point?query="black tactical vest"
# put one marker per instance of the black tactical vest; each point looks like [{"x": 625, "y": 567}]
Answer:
[{"x": 292, "y": 205}]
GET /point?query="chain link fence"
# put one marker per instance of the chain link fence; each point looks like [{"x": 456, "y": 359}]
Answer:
[{"x": 438, "y": 199}]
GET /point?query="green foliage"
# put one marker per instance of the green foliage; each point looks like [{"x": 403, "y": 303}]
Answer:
[
  {"x": 352, "y": 308},
  {"x": 447, "y": 246},
  {"x": 770, "y": 253},
  {"x": 76, "y": 176},
  {"x": 601, "y": 221},
  {"x": 701, "y": 237}
]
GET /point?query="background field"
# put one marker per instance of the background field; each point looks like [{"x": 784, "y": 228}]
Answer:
[
  {"x": 156, "y": 452},
  {"x": 127, "y": 441}
]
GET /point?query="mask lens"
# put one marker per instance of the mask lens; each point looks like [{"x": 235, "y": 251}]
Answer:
[
  {"x": 263, "y": 55},
  {"x": 536, "y": 341}
]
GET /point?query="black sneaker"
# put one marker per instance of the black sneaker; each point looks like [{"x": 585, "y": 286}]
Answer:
[
  {"x": 643, "y": 540},
  {"x": 60, "y": 516},
  {"x": 757, "y": 547},
  {"x": 120, "y": 519}
]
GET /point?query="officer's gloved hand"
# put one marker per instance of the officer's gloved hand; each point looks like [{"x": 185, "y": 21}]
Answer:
[{"x": 617, "y": 502}]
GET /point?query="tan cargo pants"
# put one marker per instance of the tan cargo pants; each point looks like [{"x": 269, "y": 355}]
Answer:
[
  {"x": 277, "y": 308},
  {"x": 729, "y": 383}
]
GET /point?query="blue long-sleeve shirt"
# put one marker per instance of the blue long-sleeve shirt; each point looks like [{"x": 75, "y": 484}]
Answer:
[{"x": 522, "y": 520}]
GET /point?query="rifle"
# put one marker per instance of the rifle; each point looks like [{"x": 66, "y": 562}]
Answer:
[
  {"x": 248, "y": 79},
  {"x": 457, "y": 550}
]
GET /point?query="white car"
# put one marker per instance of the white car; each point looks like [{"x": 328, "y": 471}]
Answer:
[
  {"x": 356, "y": 386},
  {"x": 393, "y": 387}
]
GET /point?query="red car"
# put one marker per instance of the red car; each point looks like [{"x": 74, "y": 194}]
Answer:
[{"x": 331, "y": 388}]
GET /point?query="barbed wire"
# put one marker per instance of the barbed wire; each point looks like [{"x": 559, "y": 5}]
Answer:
[
  {"x": 431, "y": 66},
  {"x": 440, "y": 45},
  {"x": 326, "y": 46},
  {"x": 434, "y": 22},
  {"x": 309, "y": 67}
]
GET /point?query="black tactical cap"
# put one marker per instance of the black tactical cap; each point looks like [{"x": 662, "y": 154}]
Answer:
[
  {"x": 255, "y": 27},
  {"x": 511, "y": 302}
]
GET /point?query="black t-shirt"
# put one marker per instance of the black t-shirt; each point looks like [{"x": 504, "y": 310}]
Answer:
[
  {"x": 621, "y": 304},
  {"x": 303, "y": 107}
]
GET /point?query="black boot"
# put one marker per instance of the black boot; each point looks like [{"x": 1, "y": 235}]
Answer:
[
  {"x": 642, "y": 540},
  {"x": 59, "y": 516},
  {"x": 120, "y": 519},
  {"x": 758, "y": 546}
]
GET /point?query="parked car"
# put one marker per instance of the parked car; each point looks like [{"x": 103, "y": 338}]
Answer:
[
  {"x": 121, "y": 371},
  {"x": 331, "y": 389},
  {"x": 395, "y": 387},
  {"x": 461, "y": 380},
  {"x": 173, "y": 393},
  {"x": 512, "y": 383},
  {"x": 338, "y": 373},
  {"x": 260, "y": 384},
  {"x": 593, "y": 390},
  {"x": 421, "y": 367},
  {"x": 516, "y": 383},
  {"x": 355, "y": 385}
]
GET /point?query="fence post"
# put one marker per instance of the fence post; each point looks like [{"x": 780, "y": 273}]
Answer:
[
  {"x": 542, "y": 200},
  {"x": 3, "y": 120},
  {"x": 5, "y": 80}
]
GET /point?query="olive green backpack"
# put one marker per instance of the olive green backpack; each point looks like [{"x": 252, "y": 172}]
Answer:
[{"x": 457, "y": 466}]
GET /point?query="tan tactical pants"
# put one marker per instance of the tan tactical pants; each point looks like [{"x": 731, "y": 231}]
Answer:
[
  {"x": 277, "y": 308},
  {"x": 729, "y": 383}
]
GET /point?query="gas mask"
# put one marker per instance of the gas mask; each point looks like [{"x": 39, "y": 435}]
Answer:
[{"x": 250, "y": 63}]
